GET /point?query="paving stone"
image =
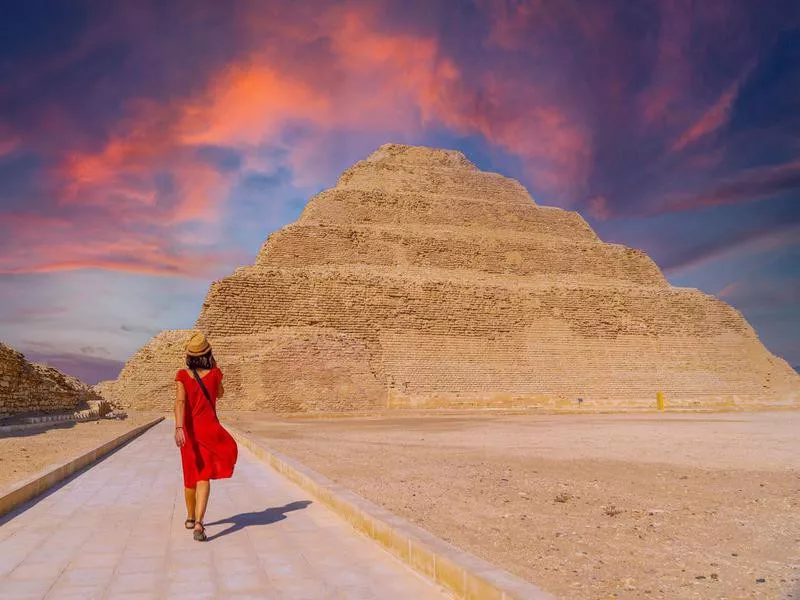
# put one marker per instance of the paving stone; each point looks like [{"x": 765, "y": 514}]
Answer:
[{"x": 267, "y": 539}]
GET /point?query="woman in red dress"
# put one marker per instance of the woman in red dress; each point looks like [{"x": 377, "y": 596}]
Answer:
[{"x": 207, "y": 450}]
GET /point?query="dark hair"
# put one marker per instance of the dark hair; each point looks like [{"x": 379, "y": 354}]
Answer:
[{"x": 200, "y": 362}]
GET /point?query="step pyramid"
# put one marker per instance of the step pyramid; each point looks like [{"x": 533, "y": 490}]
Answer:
[{"x": 419, "y": 281}]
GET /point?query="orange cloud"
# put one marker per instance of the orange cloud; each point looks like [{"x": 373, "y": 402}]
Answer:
[
  {"x": 93, "y": 178},
  {"x": 108, "y": 265},
  {"x": 247, "y": 103},
  {"x": 372, "y": 80},
  {"x": 397, "y": 82},
  {"x": 140, "y": 259},
  {"x": 123, "y": 176},
  {"x": 65, "y": 248}
]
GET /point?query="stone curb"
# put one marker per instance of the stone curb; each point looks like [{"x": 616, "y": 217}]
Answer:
[
  {"x": 461, "y": 573},
  {"x": 41, "y": 482},
  {"x": 39, "y": 422}
]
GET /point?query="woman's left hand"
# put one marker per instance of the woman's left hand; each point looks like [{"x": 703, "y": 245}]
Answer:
[{"x": 180, "y": 439}]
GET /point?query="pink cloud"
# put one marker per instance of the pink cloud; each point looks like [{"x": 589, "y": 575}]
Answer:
[
  {"x": 98, "y": 246},
  {"x": 122, "y": 176},
  {"x": 753, "y": 184},
  {"x": 521, "y": 24},
  {"x": 41, "y": 312},
  {"x": 24, "y": 222},
  {"x": 762, "y": 291},
  {"x": 715, "y": 117},
  {"x": 246, "y": 105},
  {"x": 8, "y": 145},
  {"x": 706, "y": 160},
  {"x": 398, "y": 82},
  {"x": 556, "y": 149},
  {"x": 688, "y": 32},
  {"x": 759, "y": 240},
  {"x": 169, "y": 269},
  {"x": 729, "y": 289},
  {"x": 599, "y": 207}
]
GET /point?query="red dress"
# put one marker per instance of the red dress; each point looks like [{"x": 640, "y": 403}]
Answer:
[{"x": 209, "y": 452}]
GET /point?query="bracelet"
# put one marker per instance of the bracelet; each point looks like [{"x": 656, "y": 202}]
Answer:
[{"x": 179, "y": 428}]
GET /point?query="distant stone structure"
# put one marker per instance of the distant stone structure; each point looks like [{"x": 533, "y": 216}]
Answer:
[
  {"x": 147, "y": 381},
  {"x": 419, "y": 281},
  {"x": 28, "y": 387}
]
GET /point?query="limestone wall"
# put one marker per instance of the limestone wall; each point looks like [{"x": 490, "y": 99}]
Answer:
[
  {"x": 147, "y": 382},
  {"x": 356, "y": 206},
  {"x": 401, "y": 178},
  {"x": 420, "y": 281},
  {"x": 27, "y": 387},
  {"x": 260, "y": 372},
  {"x": 551, "y": 366},
  {"x": 506, "y": 252},
  {"x": 258, "y": 299}
]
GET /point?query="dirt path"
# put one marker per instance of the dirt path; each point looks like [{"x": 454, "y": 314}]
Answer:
[
  {"x": 689, "y": 506},
  {"x": 24, "y": 453}
]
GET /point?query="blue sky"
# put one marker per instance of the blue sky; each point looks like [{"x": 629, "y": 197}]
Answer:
[{"x": 148, "y": 148}]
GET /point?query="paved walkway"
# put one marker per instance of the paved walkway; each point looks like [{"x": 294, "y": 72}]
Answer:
[{"x": 116, "y": 531}]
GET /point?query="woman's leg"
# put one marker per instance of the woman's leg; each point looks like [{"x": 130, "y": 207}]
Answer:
[
  {"x": 189, "y": 496},
  {"x": 201, "y": 500}
]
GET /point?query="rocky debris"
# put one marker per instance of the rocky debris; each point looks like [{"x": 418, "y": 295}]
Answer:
[
  {"x": 419, "y": 281},
  {"x": 27, "y": 387},
  {"x": 117, "y": 414}
]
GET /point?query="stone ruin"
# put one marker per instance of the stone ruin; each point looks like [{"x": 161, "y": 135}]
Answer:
[
  {"x": 419, "y": 281},
  {"x": 32, "y": 388}
]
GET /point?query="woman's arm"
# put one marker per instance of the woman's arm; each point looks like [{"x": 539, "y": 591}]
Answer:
[{"x": 180, "y": 408}]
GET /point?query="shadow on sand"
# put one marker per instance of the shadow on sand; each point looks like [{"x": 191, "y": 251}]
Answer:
[{"x": 251, "y": 519}]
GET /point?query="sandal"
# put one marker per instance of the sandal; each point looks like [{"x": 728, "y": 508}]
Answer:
[
  {"x": 200, "y": 534},
  {"x": 189, "y": 523}
]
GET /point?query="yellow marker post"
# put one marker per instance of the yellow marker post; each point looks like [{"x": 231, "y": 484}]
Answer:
[{"x": 660, "y": 400}]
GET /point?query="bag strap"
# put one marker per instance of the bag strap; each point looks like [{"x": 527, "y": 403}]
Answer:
[{"x": 203, "y": 387}]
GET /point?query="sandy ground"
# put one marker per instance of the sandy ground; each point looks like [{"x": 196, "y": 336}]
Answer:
[
  {"x": 24, "y": 453},
  {"x": 605, "y": 506}
]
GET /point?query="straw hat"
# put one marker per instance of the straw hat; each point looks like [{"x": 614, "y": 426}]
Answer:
[{"x": 197, "y": 345}]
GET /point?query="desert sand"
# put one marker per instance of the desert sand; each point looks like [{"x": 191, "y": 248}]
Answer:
[
  {"x": 601, "y": 506},
  {"x": 25, "y": 453}
]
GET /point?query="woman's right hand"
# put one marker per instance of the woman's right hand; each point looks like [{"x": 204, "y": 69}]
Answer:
[{"x": 180, "y": 439}]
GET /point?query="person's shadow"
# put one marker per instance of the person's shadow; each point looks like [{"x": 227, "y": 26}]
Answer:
[{"x": 265, "y": 517}]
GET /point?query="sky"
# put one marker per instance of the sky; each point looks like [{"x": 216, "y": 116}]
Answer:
[{"x": 150, "y": 147}]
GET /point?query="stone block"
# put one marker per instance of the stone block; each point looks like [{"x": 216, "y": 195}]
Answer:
[{"x": 419, "y": 281}]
